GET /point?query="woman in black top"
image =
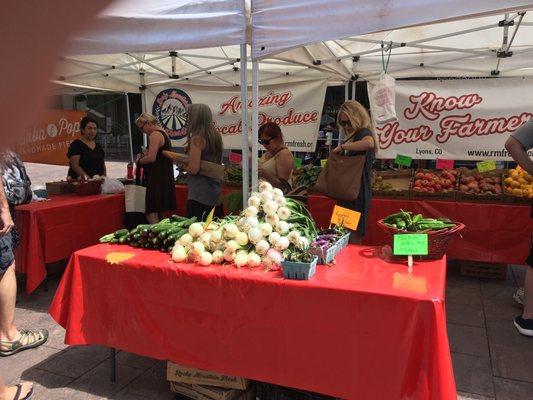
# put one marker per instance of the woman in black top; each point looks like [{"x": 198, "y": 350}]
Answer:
[
  {"x": 86, "y": 157},
  {"x": 355, "y": 124},
  {"x": 158, "y": 170}
]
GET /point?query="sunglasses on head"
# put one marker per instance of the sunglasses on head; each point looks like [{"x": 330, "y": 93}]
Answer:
[
  {"x": 345, "y": 123},
  {"x": 264, "y": 142}
]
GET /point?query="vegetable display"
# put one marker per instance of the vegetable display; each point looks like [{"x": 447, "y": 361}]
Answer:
[
  {"x": 308, "y": 176},
  {"x": 406, "y": 221},
  {"x": 519, "y": 183},
  {"x": 434, "y": 181},
  {"x": 161, "y": 236},
  {"x": 269, "y": 230},
  {"x": 480, "y": 184}
]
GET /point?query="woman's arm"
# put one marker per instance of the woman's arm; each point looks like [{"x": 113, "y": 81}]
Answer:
[
  {"x": 5, "y": 216},
  {"x": 195, "y": 155},
  {"x": 519, "y": 154},
  {"x": 156, "y": 140},
  {"x": 75, "y": 165},
  {"x": 105, "y": 170},
  {"x": 366, "y": 143}
]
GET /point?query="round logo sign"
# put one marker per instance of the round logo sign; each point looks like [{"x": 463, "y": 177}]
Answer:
[
  {"x": 170, "y": 108},
  {"x": 51, "y": 130}
]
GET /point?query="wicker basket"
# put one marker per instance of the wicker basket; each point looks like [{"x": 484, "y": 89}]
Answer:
[
  {"x": 437, "y": 240},
  {"x": 86, "y": 188}
]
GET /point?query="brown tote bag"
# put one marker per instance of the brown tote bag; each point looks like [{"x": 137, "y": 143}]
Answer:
[{"x": 340, "y": 179}]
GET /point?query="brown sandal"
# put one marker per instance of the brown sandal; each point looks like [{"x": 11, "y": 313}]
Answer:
[
  {"x": 28, "y": 340},
  {"x": 19, "y": 391}
]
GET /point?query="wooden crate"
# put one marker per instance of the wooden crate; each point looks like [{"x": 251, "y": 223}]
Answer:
[
  {"x": 481, "y": 198},
  {"x": 477, "y": 269},
  {"x": 443, "y": 196},
  {"x": 400, "y": 182}
]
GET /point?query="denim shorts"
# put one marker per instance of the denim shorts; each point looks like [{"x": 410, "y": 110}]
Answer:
[{"x": 6, "y": 252}]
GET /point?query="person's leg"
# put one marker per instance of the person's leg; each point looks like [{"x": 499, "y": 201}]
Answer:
[
  {"x": 8, "y": 393},
  {"x": 153, "y": 218},
  {"x": 8, "y": 295},
  {"x": 528, "y": 286}
]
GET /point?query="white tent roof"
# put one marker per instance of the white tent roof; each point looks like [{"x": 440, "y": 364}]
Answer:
[{"x": 466, "y": 47}]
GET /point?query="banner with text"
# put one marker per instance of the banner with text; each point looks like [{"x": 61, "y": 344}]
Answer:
[
  {"x": 456, "y": 119},
  {"x": 47, "y": 141},
  {"x": 296, "y": 107}
]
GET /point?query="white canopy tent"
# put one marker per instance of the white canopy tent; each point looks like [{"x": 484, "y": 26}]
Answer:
[{"x": 197, "y": 41}]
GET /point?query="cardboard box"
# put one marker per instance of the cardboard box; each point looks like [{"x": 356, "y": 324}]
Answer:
[
  {"x": 193, "y": 376},
  {"x": 60, "y": 187},
  {"x": 202, "y": 392},
  {"x": 399, "y": 180},
  {"x": 477, "y": 269}
]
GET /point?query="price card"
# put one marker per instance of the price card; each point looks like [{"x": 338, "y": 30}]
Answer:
[
  {"x": 298, "y": 162},
  {"x": 403, "y": 160},
  {"x": 323, "y": 163},
  {"x": 345, "y": 217},
  {"x": 444, "y": 164},
  {"x": 411, "y": 244},
  {"x": 235, "y": 158},
  {"x": 486, "y": 166}
]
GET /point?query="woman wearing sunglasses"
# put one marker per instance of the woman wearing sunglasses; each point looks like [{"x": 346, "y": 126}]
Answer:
[
  {"x": 357, "y": 139},
  {"x": 276, "y": 165}
]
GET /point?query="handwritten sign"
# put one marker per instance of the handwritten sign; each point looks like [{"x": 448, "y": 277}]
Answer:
[
  {"x": 444, "y": 164},
  {"x": 298, "y": 162},
  {"x": 345, "y": 217},
  {"x": 323, "y": 163},
  {"x": 415, "y": 244},
  {"x": 486, "y": 166},
  {"x": 403, "y": 160},
  {"x": 235, "y": 158}
]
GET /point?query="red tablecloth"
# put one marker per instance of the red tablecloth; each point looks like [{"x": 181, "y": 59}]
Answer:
[
  {"x": 364, "y": 329},
  {"x": 52, "y": 230}
]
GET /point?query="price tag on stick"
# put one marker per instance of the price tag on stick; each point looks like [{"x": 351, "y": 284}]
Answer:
[
  {"x": 323, "y": 163},
  {"x": 345, "y": 217},
  {"x": 486, "y": 166},
  {"x": 404, "y": 161},
  {"x": 410, "y": 244},
  {"x": 298, "y": 162}
]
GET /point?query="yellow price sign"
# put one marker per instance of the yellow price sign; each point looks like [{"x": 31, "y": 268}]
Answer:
[
  {"x": 345, "y": 217},
  {"x": 323, "y": 163}
]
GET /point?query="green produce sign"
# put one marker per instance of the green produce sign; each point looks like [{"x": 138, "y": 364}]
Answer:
[
  {"x": 405, "y": 161},
  {"x": 486, "y": 166},
  {"x": 411, "y": 244},
  {"x": 298, "y": 162}
]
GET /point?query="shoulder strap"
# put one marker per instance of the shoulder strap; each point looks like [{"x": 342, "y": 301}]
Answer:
[
  {"x": 351, "y": 137},
  {"x": 278, "y": 150}
]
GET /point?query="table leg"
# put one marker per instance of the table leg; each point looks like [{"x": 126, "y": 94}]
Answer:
[{"x": 113, "y": 365}]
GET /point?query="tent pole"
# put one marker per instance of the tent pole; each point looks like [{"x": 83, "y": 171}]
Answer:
[
  {"x": 255, "y": 123},
  {"x": 353, "y": 90},
  {"x": 346, "y": 92},
  {"x": 129, "y": 124},
  {"x": 244, "y": 132},
  {"x": 143, "y": 102}
]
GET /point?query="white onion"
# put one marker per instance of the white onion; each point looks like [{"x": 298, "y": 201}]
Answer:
[
  {"x": 179, "y": 254},
  {"x": 255, "y": 235},
  {"x": 273, "y": 238},
  {"x": 303, "y": 243},
  {"x": 232, "y": 245},
  {"x": 265, "y": 186},
  {"x": 254, "y": 260},
  {"x": 294, "y": 237},
  {"x": 267, "y": 263},
  {"x": 262, "y": 247},
  {"x": 241, "y": 259},
  {"x": 266, "y": 196},
  {"x": 205, "y": 239},
  {"x": 205, "y": 258},
  {"x": 230, "y": 230},
  {"x": 274, "y": 256},
  {"x": 282, "y": 227},
  {"x": 266, "y": 228},
  {"x": 242, "y": 238},
  {"x": 270, "y": 207},
  {"x": 249, "y": 223},
  {"x": 254, "y": 201},
  {"x": 251, "y": 211},
  {"x": 280, "y": 201},
  {"x": 218, "y": 257},
  {"x": 282, "y": 243},
  {"x": 229, "y": 255},
  {"x": 216, "y": 236},
  {"x": 196, "y": 229},
  {"x": 277, "y": 193},
  {"x": 272, "y": 219},
  {"x": 186, "y": 240},
  {"x": 284, "y": 213}
]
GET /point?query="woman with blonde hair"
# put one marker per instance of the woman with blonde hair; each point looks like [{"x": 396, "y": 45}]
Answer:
[
  {"x": 158, "y": 170},
  {"x": 204, "y": 143},
  {"x": 358, "y": 138}
]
